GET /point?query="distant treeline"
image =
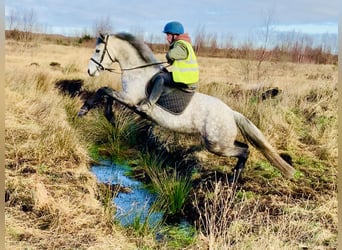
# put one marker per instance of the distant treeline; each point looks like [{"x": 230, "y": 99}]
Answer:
[
  {"x": 293, "y": 51},
  {"x": 296, "y": 53}
]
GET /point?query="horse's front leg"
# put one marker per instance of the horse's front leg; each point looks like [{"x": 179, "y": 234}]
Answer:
[
  {"x": 122, "y": 98},
  {"x": 108, "y": 110},
  {"x": 100, "y": 95}
]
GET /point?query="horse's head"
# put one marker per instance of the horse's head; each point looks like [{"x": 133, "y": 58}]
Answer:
[{"x": 101, "y": 58}]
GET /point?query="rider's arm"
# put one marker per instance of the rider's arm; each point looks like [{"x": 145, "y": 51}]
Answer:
[{"x": 178, "y": 52}]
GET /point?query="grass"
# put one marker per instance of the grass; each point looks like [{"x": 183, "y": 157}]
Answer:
[
  {"x": 172, "y": 189},
  {"x": 52, "y": 198},
  {"x": 51, "y": 193},
  {"x": 114, "y": 140},
  {"x": 178, "y": 237},
  {"x": 232, "y": 219}
]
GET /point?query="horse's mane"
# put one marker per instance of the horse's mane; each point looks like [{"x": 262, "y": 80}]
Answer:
[{"x": 143, "y": 50}]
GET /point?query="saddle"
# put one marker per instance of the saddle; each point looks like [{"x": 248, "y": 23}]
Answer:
[{"x": 174, "y": 98}]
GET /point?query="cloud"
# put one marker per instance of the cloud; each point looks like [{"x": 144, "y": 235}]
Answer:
[
  {"x": 218, "y": 16},
  {"x": 309, "y": 28}
]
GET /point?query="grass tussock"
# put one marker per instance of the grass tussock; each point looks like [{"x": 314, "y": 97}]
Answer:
[
  {"x": 233, "y": 219},
  {"x": 116, "y": 141},
  {"x": 53, "y": 201},
  {"x": 50, "y": 193},
  {"x": 172, "y": 188}
]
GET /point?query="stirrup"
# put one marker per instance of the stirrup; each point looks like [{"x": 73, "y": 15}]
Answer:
[{"x": 144, "y": 105}]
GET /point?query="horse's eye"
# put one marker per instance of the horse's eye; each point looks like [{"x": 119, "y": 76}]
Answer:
[{"x": 97, "y": 51}]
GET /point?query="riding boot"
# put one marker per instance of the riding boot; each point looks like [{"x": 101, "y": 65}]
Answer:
[{"x": 157, "y": 90}]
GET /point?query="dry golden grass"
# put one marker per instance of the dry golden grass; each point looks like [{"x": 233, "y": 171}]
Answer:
[
  {"x": 51, "y": 195},
  {"x": 302, "y": 121},
  {"x": 233, "y": 219}
]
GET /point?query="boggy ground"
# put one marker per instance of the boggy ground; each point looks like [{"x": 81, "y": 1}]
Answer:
[
  {"x": 261, "y": 201},
  {"x": 52, "y": 200},
  {"x": 259, "y": 177}
]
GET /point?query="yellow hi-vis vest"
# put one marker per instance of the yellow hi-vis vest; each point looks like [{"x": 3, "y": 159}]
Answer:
[{"x": 186, "y": 71}]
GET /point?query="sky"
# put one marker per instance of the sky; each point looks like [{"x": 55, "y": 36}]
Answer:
[{"x": 221, "y": 17}]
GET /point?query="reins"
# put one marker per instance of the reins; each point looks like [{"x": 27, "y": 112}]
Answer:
[
  {"x": 99, "y": 64},
  {"x": 125, "y": 69}
]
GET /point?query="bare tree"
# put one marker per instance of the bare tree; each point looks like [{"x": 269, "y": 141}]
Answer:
[
  {"x": 213, "y": 44},
  {"x": 29, "y": 24},
  {"x": 22, "y": 24},
  {"x": 329, "y": 43},
  {"x": 199, "y": 41},
  {"x": 103, "y": 25},
  {"x": 246, "y": 56},
  {"x": 266, "y": 32},
  {"x": 12, "y": 20},
  {"x": 138, "y": 32},
  {"x": 227, "y": 41}
]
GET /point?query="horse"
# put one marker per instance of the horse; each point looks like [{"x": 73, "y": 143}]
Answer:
[{"x": 216, "y": 122}]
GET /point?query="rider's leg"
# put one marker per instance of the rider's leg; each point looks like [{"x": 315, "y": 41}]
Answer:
[
  {"x": 158, "y": 83},
  {"x": 157, "y": 89}
]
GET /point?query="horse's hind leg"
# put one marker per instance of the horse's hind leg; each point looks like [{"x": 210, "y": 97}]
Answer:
[
  {"x": 241, "y": 152},
  {"x": 242, "y": 155},
  {"x": 236, "y": 149}
]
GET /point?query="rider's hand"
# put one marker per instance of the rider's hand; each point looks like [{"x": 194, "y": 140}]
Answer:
[{"x": 169, "y": 60}]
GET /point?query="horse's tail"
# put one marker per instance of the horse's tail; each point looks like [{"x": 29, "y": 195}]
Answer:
[{"x": 257, "y": 139}]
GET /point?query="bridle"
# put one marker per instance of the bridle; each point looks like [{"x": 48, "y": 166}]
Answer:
[{"x": 104, "y": 40}]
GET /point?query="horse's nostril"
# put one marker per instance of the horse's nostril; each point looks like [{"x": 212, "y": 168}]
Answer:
[{"x": 88, "y": 72}]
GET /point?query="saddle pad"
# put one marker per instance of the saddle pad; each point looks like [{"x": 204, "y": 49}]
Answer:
[{"x": 175, "y": 100}]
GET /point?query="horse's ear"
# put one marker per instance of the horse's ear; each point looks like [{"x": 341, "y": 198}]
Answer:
[{"x": 102, "y": 36}]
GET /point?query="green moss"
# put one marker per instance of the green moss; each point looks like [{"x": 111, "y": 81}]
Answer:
[
  {"x": 266, "y": 170},
  {"x": 243, "y": 195},
  {"x": 179, "y": 236}
]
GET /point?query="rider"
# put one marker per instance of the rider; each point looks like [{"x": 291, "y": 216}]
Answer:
[{"x": 181, "y": 56}]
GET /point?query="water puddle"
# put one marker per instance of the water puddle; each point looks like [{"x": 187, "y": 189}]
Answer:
[{"x": 132, "y": 205}]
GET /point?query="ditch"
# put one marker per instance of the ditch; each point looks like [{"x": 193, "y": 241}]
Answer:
[{"x": 135, "y": 202}]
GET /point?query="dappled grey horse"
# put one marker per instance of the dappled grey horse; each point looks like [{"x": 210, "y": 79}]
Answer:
[{"x": 217, "y": 123}]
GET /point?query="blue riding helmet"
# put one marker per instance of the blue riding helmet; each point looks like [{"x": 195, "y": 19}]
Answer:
[{"x": 175, "y": 28}]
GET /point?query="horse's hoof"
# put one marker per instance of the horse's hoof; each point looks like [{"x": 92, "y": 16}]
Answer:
[
  {"x": 235, "y": 176},
  {"x": 83, "y": 111},
  {"x": 232, "y": 180}
]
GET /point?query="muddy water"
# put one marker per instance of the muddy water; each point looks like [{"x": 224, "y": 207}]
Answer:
[{"x": 134, "y": 204}]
